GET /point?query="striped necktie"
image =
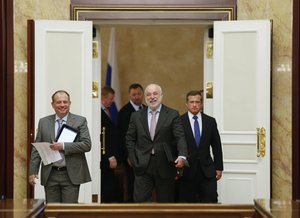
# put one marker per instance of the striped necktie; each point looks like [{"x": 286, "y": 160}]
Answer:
[
  {"x": 62, "y": 162},
  {"x": 59, "y": 125}
]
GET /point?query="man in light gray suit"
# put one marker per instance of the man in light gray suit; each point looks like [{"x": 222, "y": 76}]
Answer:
[
  {"x": 155, "y": 152},
  {"x": 62, "y": 179}
]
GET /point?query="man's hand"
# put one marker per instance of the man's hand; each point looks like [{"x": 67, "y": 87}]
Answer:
[
  {"x": 57, "y": 146},
  {"x": 32, "y": 178},
  {"x": 218, "y": 174},
  {"x": 129, "y": 162},
  {"x": 113, "y": 162},
  {"x": 179, "y": 162}
]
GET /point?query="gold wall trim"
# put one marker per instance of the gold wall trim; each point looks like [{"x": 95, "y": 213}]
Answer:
[{"x": 229, "y": 11}]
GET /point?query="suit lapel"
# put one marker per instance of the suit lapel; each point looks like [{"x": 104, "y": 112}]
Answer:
[
  {"x": 144, "y": 121},
  {"x": 130, "y": 107},
  {"x": 163, "y": 114},
  {"x": 105, "y": 116},
  {"x": 71, "y": 120},
  {"x": 204, "y": 127},
  {"x": 189, "y": 132},
  {"x": 51, "y": 125}
]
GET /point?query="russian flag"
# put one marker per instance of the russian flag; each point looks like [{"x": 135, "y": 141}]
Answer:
[{"x": 112, "y": 76}]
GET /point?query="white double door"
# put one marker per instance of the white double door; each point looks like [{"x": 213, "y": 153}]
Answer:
[
  {"x": 240, "y": 103},
  {"x": 63, "y": 60},
  {"x": 240, "y": 75}
]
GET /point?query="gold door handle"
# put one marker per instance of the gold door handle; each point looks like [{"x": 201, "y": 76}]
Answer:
[
  {"x": 261, "y": 142},
  {"x": 209, "y": 89},
  {"x": 95, "y": 88},
  {"x": 103, "y": 141}
]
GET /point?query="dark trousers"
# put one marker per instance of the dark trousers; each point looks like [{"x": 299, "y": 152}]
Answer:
[
  {"x": 149, "y": 181},
  {"x": 130, "y": 182},
  {"x": 200, "y": 189},
  {"x": 108, "y": 186}
]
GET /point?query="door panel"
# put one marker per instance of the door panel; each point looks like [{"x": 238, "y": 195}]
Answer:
[
  {"x": 63, "y": 60},
  {"x": 241, "y": 104}
]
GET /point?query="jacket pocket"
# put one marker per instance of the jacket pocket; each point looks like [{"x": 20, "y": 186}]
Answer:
[{"x": 209, "y": 171}]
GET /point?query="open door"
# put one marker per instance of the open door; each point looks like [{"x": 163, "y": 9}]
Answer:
[
  {"x": 61, "y": 58},
  {"x": 241, "y": 105}
]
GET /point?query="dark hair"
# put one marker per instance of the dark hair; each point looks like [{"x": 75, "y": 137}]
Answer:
[
  {"x": 106, "y": 90},
  {"x": 135, "y": 86},
  {"x": 192, "y": 93},
  {"x": 60, "y": 91}
]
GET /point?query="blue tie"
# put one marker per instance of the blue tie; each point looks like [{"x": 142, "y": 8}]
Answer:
[{"x": 196, "y": 130}]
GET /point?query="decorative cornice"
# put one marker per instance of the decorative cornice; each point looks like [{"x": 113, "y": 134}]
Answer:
[{"x": 144, "y": 13}]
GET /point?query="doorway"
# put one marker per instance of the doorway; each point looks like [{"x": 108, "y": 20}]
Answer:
[
  {"x": 145, "y": 18},
  {"x": 171, "y": 50}
]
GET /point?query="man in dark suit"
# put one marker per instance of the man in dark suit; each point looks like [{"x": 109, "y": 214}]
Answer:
[
  {"x": 136, "y": 94},
  {"x": 62, "y": 178},
  {"x": 199, "y": 181},
  {"x": 110, "y": 151},
  {"x": 156, "y": 147}
]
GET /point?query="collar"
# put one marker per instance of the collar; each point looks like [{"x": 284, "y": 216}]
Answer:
[
  {"x": 104, "y": 108},
  {"x": 158, "y": 109},
  {"x": 192, "y": 115},
  {"x": 64, "y": 118},
  {"x": 136, "y": 107}
]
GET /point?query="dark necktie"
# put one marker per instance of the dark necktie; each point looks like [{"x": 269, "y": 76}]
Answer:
[{"x": 196, "y": 130}]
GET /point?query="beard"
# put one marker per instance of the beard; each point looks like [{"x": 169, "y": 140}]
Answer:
[{"x": 154, "y": 104}]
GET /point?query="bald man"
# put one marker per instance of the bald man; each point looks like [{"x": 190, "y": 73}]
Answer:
[{"x": 156, "y": 148}]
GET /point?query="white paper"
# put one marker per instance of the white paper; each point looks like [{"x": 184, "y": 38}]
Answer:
[
  {"x": 47, "y": 154},
  {"x": 67, "y": 135}
]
